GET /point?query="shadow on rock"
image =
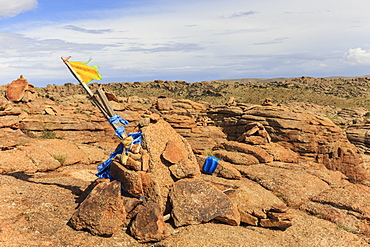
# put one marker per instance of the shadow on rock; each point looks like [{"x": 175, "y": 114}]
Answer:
[{"x": 76, "y": 190}]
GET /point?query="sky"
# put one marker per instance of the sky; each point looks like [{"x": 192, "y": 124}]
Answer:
[{"x": 193, "y": 40}]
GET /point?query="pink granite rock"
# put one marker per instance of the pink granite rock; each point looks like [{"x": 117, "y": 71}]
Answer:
[
  {"x": 102, "y": 212},
  {"x": 196, "y": 201},
  {"x": 148, "y": 224}
]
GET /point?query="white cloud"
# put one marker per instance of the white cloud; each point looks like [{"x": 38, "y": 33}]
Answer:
[
  {"x": 84, "y": 30},
  {"x": 357, "y": 56},
  {"x": 11, "y": 8},
  {"x": 239, "y": 14},
  {"x": 189, "y": 40},
  {"x": 171, "y": 47}
]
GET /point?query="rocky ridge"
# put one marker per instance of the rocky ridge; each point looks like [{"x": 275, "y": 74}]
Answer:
[
  {"x": 300, "y": 163},
  {"x": 323, "y": 91}
]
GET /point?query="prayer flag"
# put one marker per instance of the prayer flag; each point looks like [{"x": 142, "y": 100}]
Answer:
[{"x": 85, "y": 72}]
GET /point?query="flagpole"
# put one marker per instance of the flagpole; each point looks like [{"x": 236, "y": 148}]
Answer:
[{"x": 92, "y": 96}]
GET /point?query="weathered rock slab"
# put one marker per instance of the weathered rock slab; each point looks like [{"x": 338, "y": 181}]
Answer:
[
  {"x": 293, "y": 186},
  {"x": 254, "y": 202},
  {"x": 236, "y": 157},
  {"x": 102, "y": 212},
  {"x": 280, "y": 153},
  {"x": 149, "y": 224},
  {"x": 196, "y": 201},
  {"x": 352, "y": 197},
  {"x": 345, "y": 218},
  {"x": 256, "y": 151},
  {"x": 253, "y": 199}
]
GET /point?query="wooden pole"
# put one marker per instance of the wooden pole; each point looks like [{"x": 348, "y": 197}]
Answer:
[
  {"x": 106, "y": 111},
  {"x": 108, "y": 108},
  {"x": 104, "y": 100}
]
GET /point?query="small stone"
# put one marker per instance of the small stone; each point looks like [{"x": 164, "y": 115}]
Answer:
[
  {"x": 185, "y": 169},
  {"x": 164, "y": 104},
  {"x": 144, "y": 122},
  {"x": 257, "y": 152},
  {"x": 130, "y": 180},
  {"x": 236, "y": 157},
  {"x": 151, "y": 188},
  {"x": 130, "y": 203},
  {"x": 154, "y": 117},
  {"x": 226, "y": 170},
  {"x": 270, "y": 223},
  {"x": 280, "y": 208},
  {"x": 49, "y": 111},
  {"x": 135, "y": 148},
  {"x": 20, "y": 89},
  {"x": 144, "y": 160},
  {"x": 280, "y": 216},
  {"x": 133, "y": 164},
  {"x": 248, "y": 219},
  {"x": 259, "y": 213},
  {"x": 111, "y": 97},
  {"x": 173, "y": 153},
  {"x": 133, "y": 213}
]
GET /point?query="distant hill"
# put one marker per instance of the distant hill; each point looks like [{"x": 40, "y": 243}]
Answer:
[
  {"x": 340, "y": 92},
  {"x": 289, "y": 78},
  {"x": 257, "y": 79}
]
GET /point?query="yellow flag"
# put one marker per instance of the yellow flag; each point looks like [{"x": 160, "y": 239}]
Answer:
[{"x": 86, "y": 73}]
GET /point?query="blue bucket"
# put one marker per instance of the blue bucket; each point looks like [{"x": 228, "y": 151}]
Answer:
[{"x": 210, "y": 165}]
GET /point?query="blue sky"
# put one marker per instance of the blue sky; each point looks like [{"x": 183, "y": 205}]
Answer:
[{"x": 144, "y": 40}]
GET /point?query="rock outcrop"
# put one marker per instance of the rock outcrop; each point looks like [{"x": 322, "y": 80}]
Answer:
[
  {"x": 21, "y": 90},
  {"x": 317, "y": 139},
  {"x": 359, "y": 135},
  {"x": 280, "y": 168}
]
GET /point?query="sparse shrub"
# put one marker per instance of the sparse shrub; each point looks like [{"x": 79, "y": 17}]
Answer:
[
  {"x": 49, "y": 134},
  {"x": 21, "y": 143},
  {"x": 60, "y": 158},
  {"x": 348, "y": 229},
  {"x": 208, "y": 152},
  {"x": 29, "y": 133},
  {"x": 78, "y": 110}
]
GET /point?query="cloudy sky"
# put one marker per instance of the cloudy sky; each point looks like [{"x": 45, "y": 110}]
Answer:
[{"x": 193, "y": 40}]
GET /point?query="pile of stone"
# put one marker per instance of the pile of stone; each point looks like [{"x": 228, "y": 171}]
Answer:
[
  {"x": 21, "y": 90},
  {"x": 164, "y": 189}
]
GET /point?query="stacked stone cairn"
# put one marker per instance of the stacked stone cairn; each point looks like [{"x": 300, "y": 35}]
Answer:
[{"x": 159, "y": 186}]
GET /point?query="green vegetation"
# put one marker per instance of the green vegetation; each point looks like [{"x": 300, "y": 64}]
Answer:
[
  {"x": 78, "y": 110},
  {"x": 61, "y": 158},
  {"x": 49, "y": 134},
  {"x": 348, "y": 229},
  {"x": 26, "y": 215},
  {"x": 22, "y": 143},
  {"x": 208, "y": 152},
  {"x": 281, "y": 196}
]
